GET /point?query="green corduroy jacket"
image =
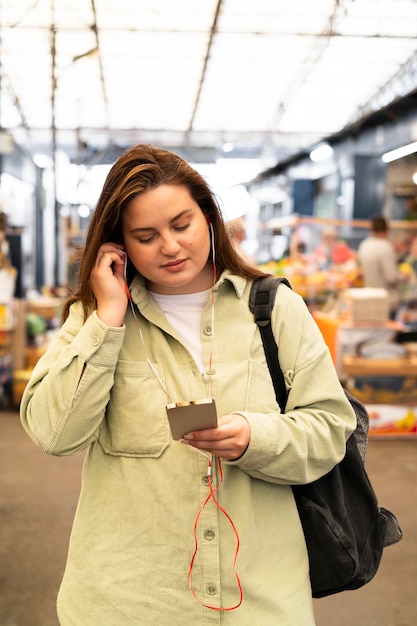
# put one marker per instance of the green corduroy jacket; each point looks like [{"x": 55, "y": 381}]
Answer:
[{"x": 141, "y": 493}]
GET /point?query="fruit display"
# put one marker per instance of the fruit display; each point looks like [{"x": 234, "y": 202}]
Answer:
[
  {"x": 392, "y": 420},
  {"x": 313, "y": 283}
]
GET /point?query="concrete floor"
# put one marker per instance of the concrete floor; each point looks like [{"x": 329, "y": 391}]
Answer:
[{"x": 38, "y": 495}]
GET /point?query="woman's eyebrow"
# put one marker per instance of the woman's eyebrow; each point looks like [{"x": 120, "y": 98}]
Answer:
[{"x": 171, "y": 221}]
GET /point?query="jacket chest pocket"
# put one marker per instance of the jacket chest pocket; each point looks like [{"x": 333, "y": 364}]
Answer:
[
  {"x": 136, "y": 423},
  {"x": 260, "y": 389}
]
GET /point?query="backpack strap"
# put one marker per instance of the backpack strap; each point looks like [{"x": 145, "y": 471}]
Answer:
[{"x": 261, "y": 303}]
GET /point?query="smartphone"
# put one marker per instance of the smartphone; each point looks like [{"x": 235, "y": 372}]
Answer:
[{"x": 185, "y": 417}]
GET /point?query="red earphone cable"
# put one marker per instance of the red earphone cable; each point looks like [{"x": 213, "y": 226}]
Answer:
[{"x": 212, "y": 496}]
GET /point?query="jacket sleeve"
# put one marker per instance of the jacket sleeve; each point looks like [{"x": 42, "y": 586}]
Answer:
[
  {"x": 64, "y": 402},
  {"x": 305, "y": 441}
]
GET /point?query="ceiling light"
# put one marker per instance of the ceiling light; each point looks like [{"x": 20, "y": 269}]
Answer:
[
  {"x": 228, "y": 147},
  {"x": 399, "y": 153},
  {"x": 83, "y": 211},
  {"x": 323, "y": 151},
  {"x": 42, "y": 160}
]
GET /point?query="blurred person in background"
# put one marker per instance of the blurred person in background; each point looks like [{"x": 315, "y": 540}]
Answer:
[
  {"x": 333, "y": 253},
  {"x": 237, "y": 233},
  {"x": 379, "y": 264}
]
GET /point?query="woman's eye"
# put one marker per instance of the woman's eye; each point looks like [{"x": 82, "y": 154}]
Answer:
[
  {"x": 182, "y": 227},
  {"x": 150, "y": 238},
  {"x": 147, "y": 239}
]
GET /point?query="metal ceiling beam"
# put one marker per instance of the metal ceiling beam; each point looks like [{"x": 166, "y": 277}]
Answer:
[
  {"x": 213, "y": 31},
  {"x": 95, "y": 30},
  {"x": 400, "y": 85},
  {"x": 320, "y": 45},
  {"x": 283, "y": 143},
  {"x": 273, "y": 33},
  {"x": 401, "y": 108},
  {"x": 54, "y": 145}
]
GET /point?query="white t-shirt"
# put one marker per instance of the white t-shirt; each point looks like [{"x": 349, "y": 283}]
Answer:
[{"x": 184, "y": 312}]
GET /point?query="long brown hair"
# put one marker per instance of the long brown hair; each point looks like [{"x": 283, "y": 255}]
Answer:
[{"x": 138, "y": 170}]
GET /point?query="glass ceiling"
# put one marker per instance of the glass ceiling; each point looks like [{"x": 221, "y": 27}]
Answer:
[{"x": 260, "y": 74}]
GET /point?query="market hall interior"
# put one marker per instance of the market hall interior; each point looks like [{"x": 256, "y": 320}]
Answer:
[{"x": 305, "y": 125}]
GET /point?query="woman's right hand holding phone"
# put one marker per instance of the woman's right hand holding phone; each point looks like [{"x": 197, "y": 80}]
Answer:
[{"x": 109, "y": 284}]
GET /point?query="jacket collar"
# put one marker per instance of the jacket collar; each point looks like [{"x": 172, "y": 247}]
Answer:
[
  {"x": 238, "y": 282},
  {"x": 142, "y": 299}
]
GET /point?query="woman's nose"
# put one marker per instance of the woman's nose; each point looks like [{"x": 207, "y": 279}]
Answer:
[{"x": 170, "y": 245}]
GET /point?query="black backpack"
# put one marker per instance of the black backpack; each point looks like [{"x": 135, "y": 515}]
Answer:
[{"x": 344, "y": 528}]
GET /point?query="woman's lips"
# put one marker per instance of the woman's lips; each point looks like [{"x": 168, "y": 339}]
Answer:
[{"x": 175, "y": 266}]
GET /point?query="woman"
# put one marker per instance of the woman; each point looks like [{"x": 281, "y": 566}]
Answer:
[{"x": 204, "y": 529}]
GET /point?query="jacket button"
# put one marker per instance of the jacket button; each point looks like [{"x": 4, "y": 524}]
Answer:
[
  {"x": 95, "y": 340},
  {"x": 208, "y": 330},
  {"x": 211, "y": 589},
  {"x": 209, "y": 535},
  {"x": 205, "y": 480}
]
